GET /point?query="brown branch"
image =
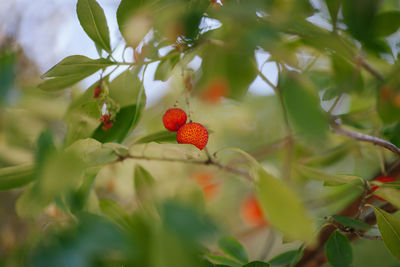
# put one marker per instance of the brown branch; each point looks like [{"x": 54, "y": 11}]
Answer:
[
  {"x": 208, "y": 161},
  {"x": 370, "y": 69},
  {"x": 315, "y": 256},
  {"x": 366, "y": 138}
]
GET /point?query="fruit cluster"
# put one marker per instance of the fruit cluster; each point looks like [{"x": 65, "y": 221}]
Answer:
[{"x": 193, "y": 133}]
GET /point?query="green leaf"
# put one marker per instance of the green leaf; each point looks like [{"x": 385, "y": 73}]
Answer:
[
  {"x": 93, "y": 21},
  {"x": 143, "y": 181},
  {"x": 284, "y": 258},
  {"x": 303, "y": 106},
  {"x": 125, "y": 89},
  {"x": 77, "y": 64},
  {"x": 231, "y": 247},
  {"x": 158, "y": 137},
  {"x": 91, "y": 152},
  {"x": 360, "y": 17},
  {"x": 257, "y": 264},
  {"x": 186, "y": 222},
  {"x": 338, "y": 250},
  {"x": 82, "y": 121},
  {"x": 223, "y": 260},
  {"x": 352, "y": 222},
  {"x": 347, "y": 77},
  {"x": 275, "y": 197},
  {"x": 16, "y": 176},
  {"x": 116, "y": 213},
  {"x": 8, "y": 72},
  {"x": 79, "y": 198},
  {"x": 129, "y": 17},
  {"x": 387, "y": 23},
  {"x": 333, "y": 8},
  {"x": 389, "y": 226},
  {"x": 71, "y": 70},
  {"x": 391, "y": 195},
  {"x": 165, "y": 68},
  {"x": 332, "y": 179}
]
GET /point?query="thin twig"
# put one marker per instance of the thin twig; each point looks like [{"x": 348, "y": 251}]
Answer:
[
  {"x": 337, "y": 100},
  {"x": 371, "y": 237},
  {"x": 189, "y": 161},
  {"x": 370, "y": 69},
  {"x": 366, "y": 138}
]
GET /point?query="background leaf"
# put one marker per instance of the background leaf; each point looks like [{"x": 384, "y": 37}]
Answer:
[
  {"x": 389, "y": 226},
  {"x": 231, "y": 247},
  {"x": 338, "y": 250}
]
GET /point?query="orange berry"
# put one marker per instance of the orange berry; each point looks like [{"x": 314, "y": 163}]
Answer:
[
  {"x": 216, "y": 90},
  {"x": 174, "y": 118},
  {"x": 251, "y": 212},
  {"x": 193, "y": 133},
  {"x": 96, "y": 92},
  {"x": 210, "y": 191},
  {"x": 383, "y": 179}
]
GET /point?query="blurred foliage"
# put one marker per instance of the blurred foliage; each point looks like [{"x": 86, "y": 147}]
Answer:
[{"x": 91, "y": 178}]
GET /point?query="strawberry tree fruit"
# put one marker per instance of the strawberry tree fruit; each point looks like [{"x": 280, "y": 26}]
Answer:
[
  {"x": 193, "y": 133},
  {"x": 251, "y": 212},
  {"x": 383, "y": 179},
  {"x": 174, "y": 118}
]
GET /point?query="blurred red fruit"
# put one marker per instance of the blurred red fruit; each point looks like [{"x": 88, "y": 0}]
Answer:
[
  {"x": 383, "y": 179},
  {"x": 193, "y": 133},
  {"x": 174, "y": 118},
  {"x": 209, "y": 187},
  {"x": 216, "y": 90},
  {"x": 251, "y": 212}
]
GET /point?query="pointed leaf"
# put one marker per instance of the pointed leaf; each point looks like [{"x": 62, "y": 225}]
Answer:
[
  {"x": 257, "y": 264},
  {"x": 224, "y": 260},
  {"x": 231, "y": 247},
  {"x": 389, "y": 226},
  {"x": 158, "y": 137},
  {"x": 351, "y": 222},
  {"x": 116, "y": 213},
  {"x": 284, "y": 258},
  {"x": 16, "y": 176},
  {"x": 315, "y": 174},
  {"x": 93, "y": 21},
  {"x": 276, "y": 197}
]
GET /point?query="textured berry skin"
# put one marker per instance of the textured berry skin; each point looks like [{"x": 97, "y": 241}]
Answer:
[
  {"x": 193, "y": 133},
  {"x": 107, "y": 123},
  {"x": 96, "y": 92},
  {"x": 383, "y": 179},
  {"x": 251, "y": 212},
  {"x": 174, "y": 118}
]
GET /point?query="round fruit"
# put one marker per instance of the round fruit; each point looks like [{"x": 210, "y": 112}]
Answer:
[
  {"x": 383, "y": 179},
  {"x": 193, "y": 133},
  {"x": 174, "y": 118}
]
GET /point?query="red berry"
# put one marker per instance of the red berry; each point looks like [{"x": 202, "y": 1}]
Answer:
[
  {"x": 251, "y": 212},
  {"x": 383, "y": 179},
  {"x": 193, "y": 133},
  {"x": 174, "y": 118},
  {"x": 96, "y": 92},
  {"x": 107, "y": 123}
]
